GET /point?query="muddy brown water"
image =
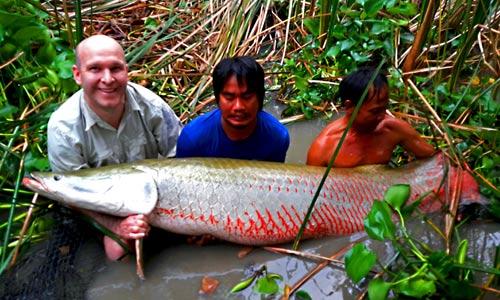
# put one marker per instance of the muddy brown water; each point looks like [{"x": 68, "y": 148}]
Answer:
[{"x": 176, "y": 271}]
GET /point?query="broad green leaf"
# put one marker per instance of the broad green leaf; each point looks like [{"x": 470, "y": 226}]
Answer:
[
  {"x": 312, "y": 25},
  {"x": 7, "y": 19},
  {"x": 302, "y": 295},
  {"x": 7, "y": 111},
  {"x": 380, "y": 27},
  {"x": 266, "y": 285},
  {"x": 404, "y": 9},
  {"x": 372, "y": 7},
  {"x": 308, "y": 112},
  {"x": 397, "y": 195},
  {"x": 345, "y": 44},
  {"x": 358, "y": 262},
  {"x": 36, "y": 163},
  {"x": 378, "y": 223},
  {"x": 333, "y": 51},
  {"x": 301, "y": 83},
  {"x": 417, "y": 287},
  {"x": 487, "y": 163},
  {"x": 29, "y": 34},
  {"x": 378, "y": 289}
]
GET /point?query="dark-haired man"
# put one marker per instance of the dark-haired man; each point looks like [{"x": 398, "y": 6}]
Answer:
[
  {"x": 373, "y": 135},
  {"x": 238, "y": 128}
]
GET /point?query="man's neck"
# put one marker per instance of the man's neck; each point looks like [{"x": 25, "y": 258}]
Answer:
[
  {"x": 238, "y": 134},
  {"x": 112, "y": 117}
]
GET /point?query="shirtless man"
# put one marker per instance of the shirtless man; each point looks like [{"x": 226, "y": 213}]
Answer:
[{"x": 373, "y": 135}]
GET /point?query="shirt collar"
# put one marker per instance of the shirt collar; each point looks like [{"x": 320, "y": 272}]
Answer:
[{"x": 91, "y": 118}]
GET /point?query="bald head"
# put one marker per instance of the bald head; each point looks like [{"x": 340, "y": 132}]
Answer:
[{"x": 96, "y": 44}]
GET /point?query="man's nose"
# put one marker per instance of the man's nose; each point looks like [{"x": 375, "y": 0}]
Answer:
[
  {"x": 107, "y": 76},
  {"x": 238, "y": 103}
]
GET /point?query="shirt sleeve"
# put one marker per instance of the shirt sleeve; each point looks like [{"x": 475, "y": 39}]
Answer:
[
  {"x": 169, "y": 132},
  {"x": 284, "y": 144},
  {"x": 185, "y": 146},
  {"x": 64, "y": 154}
]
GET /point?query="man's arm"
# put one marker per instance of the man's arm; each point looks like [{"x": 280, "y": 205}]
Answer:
[
  {"x": 413, "y": 142},
  {"x": 317, "y": 152},
  {"x": 186, "y": 147},
  {"x": 64, "y": 154},
  {"x": 169, "y": 132}
]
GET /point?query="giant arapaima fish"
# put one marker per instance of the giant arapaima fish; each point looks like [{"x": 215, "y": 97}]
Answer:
[{"x": 247, "y": 202}]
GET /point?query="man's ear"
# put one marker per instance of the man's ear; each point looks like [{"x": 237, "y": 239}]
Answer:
[
  {"x": 76, "y": 74},
  {"x": 349, "y": 106}
]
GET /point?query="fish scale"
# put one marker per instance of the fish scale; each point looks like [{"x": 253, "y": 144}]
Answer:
[{"x": 245, "y": 202}]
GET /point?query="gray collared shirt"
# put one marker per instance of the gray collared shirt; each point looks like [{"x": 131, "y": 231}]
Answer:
[{"x": 78, "y": 138}]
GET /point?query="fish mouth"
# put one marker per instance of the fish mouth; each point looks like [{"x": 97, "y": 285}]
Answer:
[{"x": 34, "y": 183}]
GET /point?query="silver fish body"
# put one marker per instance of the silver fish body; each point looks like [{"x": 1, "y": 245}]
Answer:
[{"x": 245, "y": 202}]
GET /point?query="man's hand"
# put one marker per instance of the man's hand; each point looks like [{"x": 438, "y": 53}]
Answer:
[{"x": 132, "y": 227}]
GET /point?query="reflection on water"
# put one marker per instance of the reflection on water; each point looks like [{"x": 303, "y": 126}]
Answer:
[{"x": 176, "y": 271}]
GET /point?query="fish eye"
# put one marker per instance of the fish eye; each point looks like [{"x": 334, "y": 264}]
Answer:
[{"x": 57, "y": 177}]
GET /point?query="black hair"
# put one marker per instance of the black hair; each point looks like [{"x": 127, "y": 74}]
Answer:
[
  {"x": 354, "y": 84},
  {"x": 246, "y": 69}
]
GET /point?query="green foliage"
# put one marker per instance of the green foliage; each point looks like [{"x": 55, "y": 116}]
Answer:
[
  {"x": 419, "y": 272},
  {"x": 266, "y": 283},
  {"x": 357, "y": 35},
  {"x": 359, "y": 262},
  {"x": 36, "y": 72}
]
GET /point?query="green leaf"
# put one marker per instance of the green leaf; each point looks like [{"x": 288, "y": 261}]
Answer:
[
  {"x": 417, "y": 287},
  {"x": 301, "y": 83},
  {"x": 308, "y": 112},
  {"x": 312, "y": 25},
  {"x": 487, "y": 163},
  {"x": 7, "y": 111},
  {"x": 266, "y": 285},
  {"x": 302, "y": 295},
  {"x": 397, "y": 195},
  {"x": 242, "y": 285},
  {"x": 380, "y": 27},
  {"x": 29, "y": 34},
  {"x": 378, "y": 289},
  {"x": 441, "y": 263},
  {"x": 404, "y": 9},
  {"x": 274, "y": 276},
  {"x": 358, "y": 262},
  {"x": 372, "y": 7},
  {"x": 462, "y": 290},
  {"x": 378, "y": 223}
]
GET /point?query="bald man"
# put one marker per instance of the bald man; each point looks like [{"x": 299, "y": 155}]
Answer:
[{"x": 110, "y": 121}]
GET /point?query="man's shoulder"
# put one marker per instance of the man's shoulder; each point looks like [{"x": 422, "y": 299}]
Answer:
[
  {"x": 68, "y": 111},
  {"x": 394, "y": 125},
  {"x": 204, "y": 122},
  {"x": 271, "y": 124},
  {"x": 143, "y": 96}
]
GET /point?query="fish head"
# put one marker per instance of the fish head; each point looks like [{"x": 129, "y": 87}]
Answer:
[{"x": 114, "y": 191}]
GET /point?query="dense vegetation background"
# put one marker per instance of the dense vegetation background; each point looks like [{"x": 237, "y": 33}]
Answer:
[{"x": 442, "y": 56}]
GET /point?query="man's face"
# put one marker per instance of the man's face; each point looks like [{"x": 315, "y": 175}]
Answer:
[
  {"x": 103, "y": 75},
  {"x": 372, "y": 111},
  {"x": 239, "y": 105}
]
